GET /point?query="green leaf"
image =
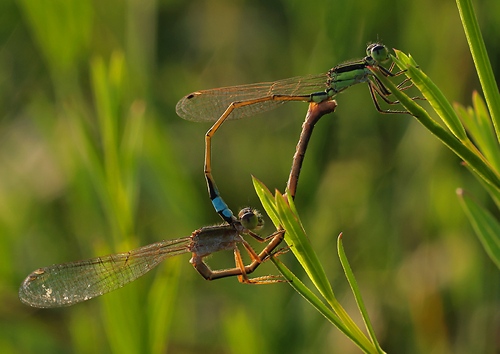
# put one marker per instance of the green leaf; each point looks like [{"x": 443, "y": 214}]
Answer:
[
  {"x": 267, "y": 200},
  {"x": 310, "y": 297},
  {"x": 481, "y": 60},
  {"x": 357, "y": 293},
  {"x": 302, "y": 249},
  {"x": 485, "y": 225},
  {"x": 478, "y": 123},
  {"x": 282, "y": 211},
  {"x": 433, "y": 95},
  {"x": 493, "y": 192},
  {"x": 463, "y": 149},
  {"x": 282, "y": 215}
]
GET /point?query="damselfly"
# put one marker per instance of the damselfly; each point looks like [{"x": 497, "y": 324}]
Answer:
[
  {"x": 242, "y": 101},
  {"x": 70, "y": 283}
]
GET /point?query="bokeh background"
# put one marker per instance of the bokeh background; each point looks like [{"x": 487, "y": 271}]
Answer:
[{"x": 95, "y": 160}]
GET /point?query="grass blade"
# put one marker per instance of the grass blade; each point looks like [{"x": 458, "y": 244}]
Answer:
[
  {"x": 485, "y": 225},
  {"x": 481, "y": 60},
  {"x": 310, "y": 297},
  {"x": 466, "y": 152},
  {"x": 280, "y": 209},
  {"x": 478, "y": 123},
  {"x": 357, "y": 294}
]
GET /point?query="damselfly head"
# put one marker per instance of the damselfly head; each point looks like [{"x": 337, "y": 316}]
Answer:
[
  {"x": 251, "y": 219},
  {"x": 378, "y": 52}
]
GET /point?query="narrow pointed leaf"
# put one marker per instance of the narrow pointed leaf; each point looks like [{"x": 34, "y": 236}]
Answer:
[
  {"x": 433, "y": 95},
  {"x": 485, "y": 225},
  {"x": 357, "y": 293}
]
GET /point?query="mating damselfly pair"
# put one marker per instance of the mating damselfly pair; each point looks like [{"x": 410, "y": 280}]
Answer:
[
  {"x": 241, "y": 101},
  {"x": 70, "y": 283}
]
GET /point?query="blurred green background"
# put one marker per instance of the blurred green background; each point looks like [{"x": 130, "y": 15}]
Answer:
[{"x": 95, "y": 160}]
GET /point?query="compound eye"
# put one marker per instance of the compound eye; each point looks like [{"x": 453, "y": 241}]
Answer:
[
  {"x": 370, "y": 48},
  {"x": 251, "y": 219},
  {"x": 378, "y": 52}
]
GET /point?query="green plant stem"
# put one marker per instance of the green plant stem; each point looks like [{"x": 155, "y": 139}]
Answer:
[{"x": 481, "y": 60}]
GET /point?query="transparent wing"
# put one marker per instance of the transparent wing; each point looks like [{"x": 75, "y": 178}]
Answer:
[
  {"x": 208, "y": 105},
  {"x": 69, "y": 283}
]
